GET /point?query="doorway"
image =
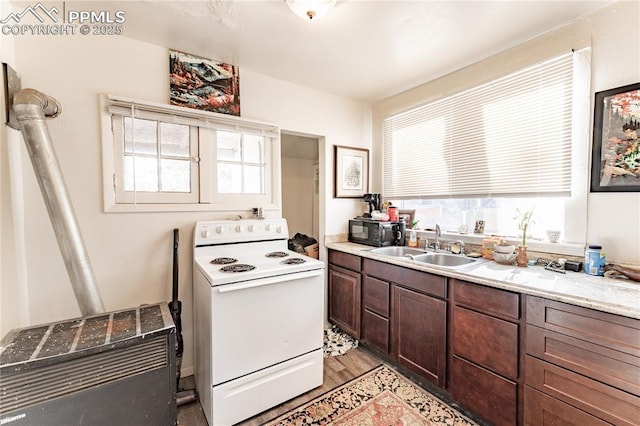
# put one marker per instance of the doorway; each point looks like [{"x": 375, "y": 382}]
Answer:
[{"x": 300, "y": 184}]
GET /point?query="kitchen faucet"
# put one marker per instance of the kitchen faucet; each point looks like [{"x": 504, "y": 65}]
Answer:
[{"x": 436, "y": 244}]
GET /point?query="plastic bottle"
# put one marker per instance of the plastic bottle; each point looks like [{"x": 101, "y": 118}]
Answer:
[
  {"x": 413, "y": 239},
  {"x": 594, "y": 260}
]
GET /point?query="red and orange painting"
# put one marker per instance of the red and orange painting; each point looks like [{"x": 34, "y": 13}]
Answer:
[{"x": 204, "y": 84}]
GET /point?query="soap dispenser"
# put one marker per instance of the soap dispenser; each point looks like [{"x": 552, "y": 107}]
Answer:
[{"x": 413, "y": 239}]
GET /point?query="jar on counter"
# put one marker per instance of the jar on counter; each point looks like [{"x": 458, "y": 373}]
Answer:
[
  {"x": 594, "y": 260},
  {"x": 393, "y": 213}
]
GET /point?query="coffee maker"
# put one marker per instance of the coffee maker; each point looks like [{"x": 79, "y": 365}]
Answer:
[{"x": 373, "y": 200}]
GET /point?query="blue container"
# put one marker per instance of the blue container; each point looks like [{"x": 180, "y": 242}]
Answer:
[{"x": 594, "y": 260}]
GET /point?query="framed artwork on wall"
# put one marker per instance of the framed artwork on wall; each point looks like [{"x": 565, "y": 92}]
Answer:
[
  {"x": 351, "y": 168},
  {"x": 615, "y": 157},
  {"x": 204, "y": 84}
]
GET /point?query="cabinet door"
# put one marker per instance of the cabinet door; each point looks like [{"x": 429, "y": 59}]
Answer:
[
  {"x": 486, "y": 341},
  {"x": 419, "y": 333},
  {"x": 487, "y": 394},
  {"x": 375, "y": 331},
  {"x": 344, "y": 300},
  {"x": 615, "y": 368},
  {"x": 591, "y": 396},
  {"x": 542, "y": 410}
]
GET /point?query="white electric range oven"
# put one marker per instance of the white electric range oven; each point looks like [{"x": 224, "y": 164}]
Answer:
[{"x": 258, "y": 319}]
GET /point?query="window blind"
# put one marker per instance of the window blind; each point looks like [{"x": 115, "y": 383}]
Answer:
[
  {"x": 189, "y": 116},
  {"x": 509, "y": 137}
]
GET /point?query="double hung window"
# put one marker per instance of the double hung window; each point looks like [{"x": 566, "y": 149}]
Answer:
[{"x": 161, "y": 157}]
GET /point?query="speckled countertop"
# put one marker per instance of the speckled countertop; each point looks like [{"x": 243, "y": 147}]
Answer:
[{"x": 616, "y": 296}]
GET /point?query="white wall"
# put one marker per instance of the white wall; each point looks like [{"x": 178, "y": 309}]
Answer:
[
  {"x": 10, "y": 270},
  {"x": 131, "y": 252},
  {"x": 613, "y": 219}
]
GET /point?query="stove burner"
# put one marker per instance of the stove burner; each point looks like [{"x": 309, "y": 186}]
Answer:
[
  {"x": 223, "y": 260},
  {"x": 240, "y": 267},
  {"x": 293, "y": 261},
  {"x": 277, "y": 254}
]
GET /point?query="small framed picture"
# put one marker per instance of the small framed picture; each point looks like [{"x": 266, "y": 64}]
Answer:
[
  {"x": 409, "y": 216},
  {"x": 351, "y": 172},
  {"x": 479, "y": 228}
]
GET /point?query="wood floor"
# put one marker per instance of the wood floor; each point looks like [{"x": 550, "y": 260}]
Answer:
[{"x": 337, "y": 371}]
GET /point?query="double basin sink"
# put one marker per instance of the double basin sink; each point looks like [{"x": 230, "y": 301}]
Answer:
[{"x": 446, "y": 260}]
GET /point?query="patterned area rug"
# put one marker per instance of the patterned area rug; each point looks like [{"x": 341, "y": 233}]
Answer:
[
  {"x": 380, "y": 397},
  {"x": 337, "y": 342}
]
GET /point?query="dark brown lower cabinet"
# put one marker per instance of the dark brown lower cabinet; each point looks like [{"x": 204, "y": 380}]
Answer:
[
  {"x": 484, "y": 371},
  {"x": 344, "y": 299},
  {"x": 543, "y": 410},
  {"x": 375, "y": 331},
  {"x": 486, "y": 341},
  {"x": 375, "y": 313},
  {"x": 610, "y": 404},
  {"x": 485, "y": 393},
  {"x": 567, "y": 365},
  {"x": 419, "y": 333},
  {"x": 581, "y": 366}
]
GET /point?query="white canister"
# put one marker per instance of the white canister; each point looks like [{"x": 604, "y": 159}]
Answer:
[{"x": 594, "y": 260}]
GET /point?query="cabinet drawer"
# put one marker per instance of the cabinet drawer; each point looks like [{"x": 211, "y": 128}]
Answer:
[
  {"x": 416, "y": 280},
  {"x": 345, "y": 260},
  {"x": 375, "y": 295},
  {"x": 542, "y": 410},
  {"x": 609, "y": 366},
  {"x": 486, "y": 394},
  {"x": 612, "y": 331},
  {"x": 486, "y": 299},
  {"x": 605, "y": 402},
  {"x": 487, "y": 341},
  {"x": 375, "y": 331}
]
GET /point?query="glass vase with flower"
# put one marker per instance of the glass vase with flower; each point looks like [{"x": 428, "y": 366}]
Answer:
[{"x": 524, "y": 219}]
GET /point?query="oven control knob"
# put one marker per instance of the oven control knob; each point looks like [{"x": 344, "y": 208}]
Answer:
[
  {"x": 239, "y": 228},
  {"x": 250, "y": 228},
  {"x": 267, "y": 227},
  {"x": 205, "y": 233},
  {"x": 219, "y": 229},
  {"x": 279, "y": 229}
]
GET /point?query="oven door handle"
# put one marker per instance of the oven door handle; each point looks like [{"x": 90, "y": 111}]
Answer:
[{"x": 271, "y": 280}]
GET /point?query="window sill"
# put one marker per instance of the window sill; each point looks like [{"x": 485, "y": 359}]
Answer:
[
  {"x": 236, "y": 209},
  {"x": 568, "y": 249}
]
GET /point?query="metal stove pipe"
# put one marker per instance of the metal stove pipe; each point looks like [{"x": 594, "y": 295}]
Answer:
[{"x": 31, "y": 108}]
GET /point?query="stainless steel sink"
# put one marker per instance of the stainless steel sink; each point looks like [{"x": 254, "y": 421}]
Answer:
[
  {"x": 444, "y": 259},
  {"x": 397, "y": 251}
]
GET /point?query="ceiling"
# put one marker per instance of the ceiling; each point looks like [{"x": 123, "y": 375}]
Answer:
[{"x": 363, "y": 50}]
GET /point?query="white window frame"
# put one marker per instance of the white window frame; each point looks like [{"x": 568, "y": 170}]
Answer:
[
  {"x": 204, "y": 125},
  {"x": 134, "y": 197}
]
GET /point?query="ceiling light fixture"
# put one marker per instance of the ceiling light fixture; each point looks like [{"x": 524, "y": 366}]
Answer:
[{"x": 311, "y": 9}]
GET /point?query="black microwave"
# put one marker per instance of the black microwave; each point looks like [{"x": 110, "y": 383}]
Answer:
[{"x": 376, "y": 233}]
